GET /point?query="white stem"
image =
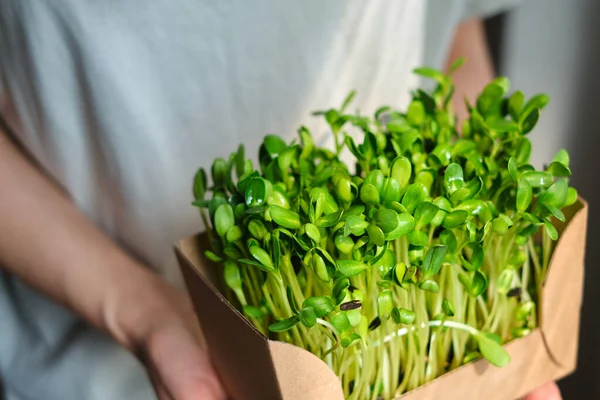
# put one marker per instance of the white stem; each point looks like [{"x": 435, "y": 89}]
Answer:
[{"x": 449, "y": 324}]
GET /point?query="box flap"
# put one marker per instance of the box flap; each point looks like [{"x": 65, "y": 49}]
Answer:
[
  {"x": 530, "y": 367},
  {"x": 302, "y": 375},
  {"x": 563, "y": 289},
  {"x": 239, "y": 353}
]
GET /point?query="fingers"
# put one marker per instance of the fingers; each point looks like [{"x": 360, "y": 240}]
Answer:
[
  {"x": 183, "y": 369},
  {"x": 161, "y": 391},
  {"x": 549, "y": 391}
]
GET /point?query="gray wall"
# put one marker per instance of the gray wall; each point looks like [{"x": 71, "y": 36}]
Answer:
[{"x": 553, "y": 46}]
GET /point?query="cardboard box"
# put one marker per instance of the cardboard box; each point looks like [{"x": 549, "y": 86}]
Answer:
[{"x": 253, "y": 367}]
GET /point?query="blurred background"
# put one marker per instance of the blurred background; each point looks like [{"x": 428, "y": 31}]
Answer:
[{"x": 551, "y": 46}]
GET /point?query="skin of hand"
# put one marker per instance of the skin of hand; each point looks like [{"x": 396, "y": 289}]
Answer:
[
  {"x": 177, "y": 364},
  {"x": 549, "y": 391},
  {"x": 58, "y": 251}
]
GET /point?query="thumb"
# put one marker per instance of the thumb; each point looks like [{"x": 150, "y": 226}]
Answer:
[
  {"x": 183, "y": 368},
  {"x": 550, "y": 391}
]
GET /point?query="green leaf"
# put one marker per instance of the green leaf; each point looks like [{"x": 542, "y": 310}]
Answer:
[
  {"x": 424, "y": 213},
  {"x": 429, "y": 286},
  {"x": 418, "y": 238},
  {"x": 341, "y": 323},
  {"x": 551, "y": 230},
  {"x": 308, "y": 317},
  {"x": 416, "y": 113},
  {"x": 453, "y": 178},
  {"x": 353, "y": 147},
  {"x": 262, "y": 257},
  {"x": 343, "y": 189},
  {"x": 559, "y": 170},
  {"x": 253, "y": 312},
  {"x": 284, "y": 217},
  {"x": 505, "y": 281},
  {"x": 390, "y": 190},
  {"x": 406, "y": 223},
  {"x": 200, "y": 185},
  {"x": 348, "y": 100},
  {"x": 530, "y": 121},
  {"x": 524, "y": 195},
  {"x": 403, "y": 316},
  {"x": 448, "y": 239},
  {"x": 350, "y": 339},
  {"x": 344, "y": 244},
  {"x": 231, "y": 274},
  {"x": 376, "y": 235},
  {"x": 385, "y": 304},
  {"x": 512, "y": 169},
  {"x": 219, "y": 170},
  {"x": 376, "y": 179},
  {"x": 562, "y": 157},
  {"x": 478, "y": 284},
  {"x": 399, "y": 272},
  {"x": 523, "y": 151},
  {"x": 401, "y": 170},
  {"x": 257, "y": 229},
  {"x": 499, "y": 226},
  {"x": 491, "y": 350},
  {"x": 571, "y": 196},
  {"x": 477, "y": 255},
  {"x": 415, "y": 194},
  {"x": 455, "y": 219},
  {"x": 499, "y": 124},
  {"x": 312, "y": 232},
  {"x": 256, "y": 192},
  {"x": 503, "y": 82},
  {"x": 515, "y": 104},
  {"x": 350, "y": 268},
  {"x": 224, "y": 219},
  {"x": 492, "y": 95},
  {"x": 538, "y": 101},
  {"x": 465, "y": 281},
  {"x": 322, "y": 305},
  {"x": 307, "y": 142},
  {"x": 431, "y": 73},
  {"x": 212, "y": 256},
  {"x": 369, "y": 194},
  {"x": 329, "y": 220},
  {"x": 556, "y": 194},
  {"x": 234, "y": 234},
  {"x": 292, "y": 300},
  {"x": 538, "y": 179},
  {"x": 355, "y": 226},
  {"x": 433, "y": 260},
  {"x": 386, "y": 219},
  {"x": 320, "y": 268},
  {"x": 274, "y": 145},
  {"x": 448, "y": 308},
  {"x": 457, "y": 64},
  {"x": 339, "y": 288},
  {"x": 469, "y": 191},
  {"x": 284, "y": 325}
]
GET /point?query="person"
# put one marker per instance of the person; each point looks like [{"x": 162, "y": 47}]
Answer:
[{"x": 107, "y": 110}]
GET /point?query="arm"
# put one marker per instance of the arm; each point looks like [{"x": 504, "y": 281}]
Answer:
[
  {"x": 470, "y": 42},
  {"x": 49, "y": 244}
]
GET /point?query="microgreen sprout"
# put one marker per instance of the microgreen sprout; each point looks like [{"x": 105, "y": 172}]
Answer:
[{"x": 429, "y": 252}]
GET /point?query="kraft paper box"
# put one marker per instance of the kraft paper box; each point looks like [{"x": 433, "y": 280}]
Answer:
[{"x": 252, "y": 367}]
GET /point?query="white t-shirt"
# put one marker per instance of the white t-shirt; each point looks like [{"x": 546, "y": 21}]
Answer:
[{"x": 122, "y": 101}]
